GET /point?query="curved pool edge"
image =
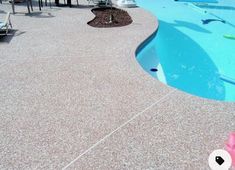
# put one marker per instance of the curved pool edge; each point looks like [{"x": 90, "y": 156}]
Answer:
[
  {"x": 214, "y": 116},
  {"x": 145, "y": 42},
  {"x": 59, "y": 102}
]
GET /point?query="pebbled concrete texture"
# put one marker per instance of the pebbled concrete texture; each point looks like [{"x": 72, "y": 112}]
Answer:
[
  {"x": 177, "y": 133},
  {"x": 74, "y": 96}
]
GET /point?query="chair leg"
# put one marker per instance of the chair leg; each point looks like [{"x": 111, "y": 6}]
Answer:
[
  {"x": 7, "y": 26},
  {"x": 31, "y": 5},
  {"x": 10, "y": 23},
  {"x": 39, "y": 5},
  {"x": 77, "y": 3},
  {"x": 6, "y": 29},
  {"x": 50, "y": 3},
  {"x": 45, "y": 2},
  {"x": 13, "y": 6},
  {"x": 69, "y": 3},
  {"x": 57, "y": 2},
  {"x": 27, "y": 1}
]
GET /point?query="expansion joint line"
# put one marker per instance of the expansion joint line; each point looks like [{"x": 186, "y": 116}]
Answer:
[{"x": 118, "y": 128}]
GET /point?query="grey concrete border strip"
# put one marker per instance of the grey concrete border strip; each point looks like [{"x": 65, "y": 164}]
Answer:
[{"x": 120, "y": 127}]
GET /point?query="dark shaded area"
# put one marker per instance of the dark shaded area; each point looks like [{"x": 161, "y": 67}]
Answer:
[
  {"x": 17, "y": 1},
  {"x": 12, "y": 33},
  {"x": 102, "y": 18},
  {"x": 2, "y": 12},
  {"x": 153, "y": 69},
  {"x": 40, "y": 15},
  {"x": 207, "y": 21},
  {"x": 84, "y": 6}
]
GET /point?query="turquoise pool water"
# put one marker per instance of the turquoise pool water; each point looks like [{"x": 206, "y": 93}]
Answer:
[{"x": 190, "y": 51}]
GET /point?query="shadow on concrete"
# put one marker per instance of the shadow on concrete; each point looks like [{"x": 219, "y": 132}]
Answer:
[
  {"x": 40, "y": 15},
  {"x": 84, "y": 6},
  {"x": 12, "y": 33},
  {"x": 2, "y": 12}
]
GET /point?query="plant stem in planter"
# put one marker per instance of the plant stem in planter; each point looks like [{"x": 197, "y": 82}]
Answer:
[{"x": 111, "y": 13}]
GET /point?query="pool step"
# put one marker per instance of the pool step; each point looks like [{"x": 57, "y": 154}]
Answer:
[{"x": 196, "y": 8}]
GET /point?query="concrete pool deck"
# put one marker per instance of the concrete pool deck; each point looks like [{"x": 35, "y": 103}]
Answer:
[{"x": 74, "y": 97}]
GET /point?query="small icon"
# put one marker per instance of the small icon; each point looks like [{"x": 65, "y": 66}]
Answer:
[{"x": 220, "y": 160}]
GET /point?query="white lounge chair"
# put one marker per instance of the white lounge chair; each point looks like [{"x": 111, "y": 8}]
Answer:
[
  {"x": 4, "y": 26},
  {"x": 99, "y": 1}
]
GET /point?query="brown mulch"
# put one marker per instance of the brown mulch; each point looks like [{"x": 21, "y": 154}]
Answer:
[{"x": 102, "y": 18}]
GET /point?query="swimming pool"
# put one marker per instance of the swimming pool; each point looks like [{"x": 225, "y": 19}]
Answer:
[{"x": 193, "y": 49}]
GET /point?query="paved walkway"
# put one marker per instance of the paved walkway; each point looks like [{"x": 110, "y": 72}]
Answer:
[{"x": 74, "y": 97}]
